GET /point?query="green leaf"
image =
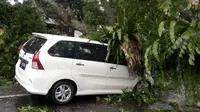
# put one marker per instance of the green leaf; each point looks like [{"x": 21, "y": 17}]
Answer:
[
  {"x": 161, "y": 28},
  {"x": 190, "y": 47},
  {"x": 184, "y": 47},
  {"x": 174, "y": 47},
  {"x": 146, "y": 60},
  {"x": 126, "y": 39},
  {"x": 180, "y": 55},
  {"x": 193, "y": 23},
  {"x": 185, "y": 43},
  {"x": 178, "y": 42},
  {"x": 192, "y": 57},
  {"x": 1, "y": 41},
  {"x": 119, "y": 34},
  {"x": 189, "y": 32},
  {"x": 172, "y": 25},
  {"x": 191, "y": 62},
  {"x": 110, "y": 29},
  {"x": 189, "y": 6},
  {"x": 197, "y": 50},
  {"x": 113, "y": 35},
  {"x": 166, "y": 6},
  {"x": 155, "y": 50}
]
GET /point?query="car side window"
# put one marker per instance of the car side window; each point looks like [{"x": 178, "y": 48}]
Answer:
[
  {"x": 91, "y": 52},
  {"x": 121, "y": 61},
  {"x": 63, "y": 49}
]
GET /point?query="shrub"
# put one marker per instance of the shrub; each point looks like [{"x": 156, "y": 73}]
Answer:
[{"x": 19, "y": 21}]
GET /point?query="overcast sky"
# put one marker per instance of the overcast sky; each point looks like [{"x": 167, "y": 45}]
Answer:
[{"x": 13, "y": 1}]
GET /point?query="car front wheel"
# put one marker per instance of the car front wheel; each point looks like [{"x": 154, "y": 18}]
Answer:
[{"x": 143, "y": 85}]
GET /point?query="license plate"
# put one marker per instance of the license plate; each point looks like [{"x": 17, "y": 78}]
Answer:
[{"x": 23, "y": 65}]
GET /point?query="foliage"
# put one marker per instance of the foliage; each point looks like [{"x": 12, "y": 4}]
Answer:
[
  {"x": 177, "y": 45},
  {"x": 100, "y": 35},
  {"x": 5, "y": 82},
  {"x": 134, "y": 24},
  {"x": 75, "y": 5},
  {"x": 167, "y": 33},
  {"x": 172, "y": 39},
  {"x": 5, "y": 17},
  {"x": 141, "y": 98},
  {"x": 33, "y": 109},
  {"x": 183, "y": 45},
  {"x": 122, "y": 110},
  {"x": 179, "y": 33},
  {"x": 93, "y": 15},
  {"x": 21, "y": 20}
]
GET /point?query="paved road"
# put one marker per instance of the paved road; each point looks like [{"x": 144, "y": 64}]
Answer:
[{"x": 11, "y": 98}]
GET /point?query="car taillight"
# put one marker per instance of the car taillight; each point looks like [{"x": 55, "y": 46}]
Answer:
[
  {"x": 20, "y": 48},
  {"x": 36, "y": 64}
]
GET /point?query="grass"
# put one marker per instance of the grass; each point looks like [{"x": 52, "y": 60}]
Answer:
[
  {"x": 29, "y": 108},
  {"x": 5, "y": 82}
]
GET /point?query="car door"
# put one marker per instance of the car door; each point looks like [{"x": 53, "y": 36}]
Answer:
[
  {"x": 89, "y": 67},
  {"x": 60, "y": 59},
  {"x": 119, "y": 77}
]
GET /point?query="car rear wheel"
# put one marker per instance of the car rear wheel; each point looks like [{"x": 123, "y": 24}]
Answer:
[{"x": 62, "y": 92}]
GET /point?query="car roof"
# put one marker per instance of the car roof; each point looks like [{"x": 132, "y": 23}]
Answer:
[{"x": 67, "y": 38}]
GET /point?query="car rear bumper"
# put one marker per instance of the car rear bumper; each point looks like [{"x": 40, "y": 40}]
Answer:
[
  {"x": 29, "y": 87},
  {"x": 35, "y": 82}
]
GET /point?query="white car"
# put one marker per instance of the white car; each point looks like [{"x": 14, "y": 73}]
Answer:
[{"x": 62, "y": 67}]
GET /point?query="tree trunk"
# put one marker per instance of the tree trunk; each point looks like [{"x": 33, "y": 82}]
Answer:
[{"x": 132, "y": 55}]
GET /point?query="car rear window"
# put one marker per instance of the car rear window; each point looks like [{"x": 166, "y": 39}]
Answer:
[{"x": 34, "y": 44}]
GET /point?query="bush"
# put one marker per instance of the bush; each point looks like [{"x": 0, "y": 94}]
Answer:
[
  {"x": 19, "y": 21},
  {"x": 5, "y": 82}
]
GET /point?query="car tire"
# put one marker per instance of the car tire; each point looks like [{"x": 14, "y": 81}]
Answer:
[
  {"x": 62, "y": 92},
  {"x": 141, "y": 85}
]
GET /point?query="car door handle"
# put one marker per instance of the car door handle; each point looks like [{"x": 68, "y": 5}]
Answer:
[
  {"x": 79, "y": 64},
  {"x": 112, "y": 68}
]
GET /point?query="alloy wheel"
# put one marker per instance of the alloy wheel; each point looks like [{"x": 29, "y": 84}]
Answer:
[{"x": 63, "y": 93}]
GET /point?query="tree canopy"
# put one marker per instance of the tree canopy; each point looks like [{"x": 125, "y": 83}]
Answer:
[
  {"x": 19, "y": 22},
  {"x": 159, "y": 38}
]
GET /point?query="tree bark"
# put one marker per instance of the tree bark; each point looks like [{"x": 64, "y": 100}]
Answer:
[{"x": 132, "y": 55}]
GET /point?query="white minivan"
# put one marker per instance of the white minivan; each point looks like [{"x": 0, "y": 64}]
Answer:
[{"x": 62, "y": 67}]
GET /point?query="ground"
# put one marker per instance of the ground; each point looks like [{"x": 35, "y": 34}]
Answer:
[{"x": 11, "y": 98}]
